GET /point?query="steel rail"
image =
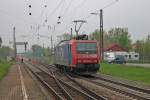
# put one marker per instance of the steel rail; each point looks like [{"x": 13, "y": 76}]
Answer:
[
  {"x": 72, "y": 87},
  {"x": 93, "y": 94},
  {"x": 69, "y": 97},
  {"x": 125, "y": 85},
  {"x": 66, "y": 94},
  {"x": 129, "y": 93},
  {"x": 132, "y": 94},
  {"x": 49, "y": 88},
  {"x": 90, "y": 95}
]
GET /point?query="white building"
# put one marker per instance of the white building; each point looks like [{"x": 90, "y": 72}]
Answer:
[{"x": 113, "y": 50}]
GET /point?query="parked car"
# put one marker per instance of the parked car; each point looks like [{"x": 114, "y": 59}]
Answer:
[
  {"x": 119, "y": 59},
  {"x": 109, "y": 56}
]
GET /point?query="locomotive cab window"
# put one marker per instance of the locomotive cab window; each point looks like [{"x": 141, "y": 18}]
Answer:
[{"x": 86, "y": 48}]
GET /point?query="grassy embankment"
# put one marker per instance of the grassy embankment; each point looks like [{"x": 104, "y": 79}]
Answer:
[
  {"x": 127, "y": 72},
  {"x": 4, "y": 68}
]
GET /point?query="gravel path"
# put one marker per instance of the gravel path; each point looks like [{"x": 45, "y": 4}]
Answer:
[{"x": 18, "y": 85}]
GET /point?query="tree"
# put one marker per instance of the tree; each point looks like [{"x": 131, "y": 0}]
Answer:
[
  {"x": 64, "y": 36},
  {"x": 37, "y": 50},
  {"x": 36, "y": 47},
  {"x": 115, "y": 35},
  {"x": 143, "y": 48},
  {"x": 0, "y": 42},
  {"x": 119, "y": 36},
  {"x": 95, "y": 35},
  {"x": 5, "y": 51}
]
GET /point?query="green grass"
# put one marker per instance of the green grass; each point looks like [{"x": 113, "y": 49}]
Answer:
[
  {"x": 4, "y": 68},
  {"x": 127, "y": 72}
]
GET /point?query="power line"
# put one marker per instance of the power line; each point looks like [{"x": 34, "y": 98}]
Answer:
[
  {"x": 62, "y": 7},
  {"x": 110, "y": 4},
  {"x": 42, "y": 12},
  {"x": 78, "y": 6},
  {"x": 67, "y": 8},
  {"x": 88, "y": 16},
  {"x": 81, "y": 4},
  {"x": 14, "y": 17},
  {"x": 75, "y": 8},
  {"x": 56, "y": 8}
]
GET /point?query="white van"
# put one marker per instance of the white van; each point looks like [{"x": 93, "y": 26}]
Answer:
[{"x": 109, "y": 56}]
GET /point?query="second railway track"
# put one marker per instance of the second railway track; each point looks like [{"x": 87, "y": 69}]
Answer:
[
  {"x": 126, "y": 89},
  {"x": 137, "y": 88}
]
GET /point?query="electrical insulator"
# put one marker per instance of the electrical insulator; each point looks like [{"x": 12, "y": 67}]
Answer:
[
  {"x": 29, "y": 6},
  {"x": 58, "y": 22},
  {"x": 45, "y": 20},
  {"x": 45, "y": 6},
  {"x": 59, "y": 17}
]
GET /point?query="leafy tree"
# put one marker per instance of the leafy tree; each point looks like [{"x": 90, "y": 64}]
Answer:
[
  {"x": 41, "y": 54},
  {"x": 138, "y": 46},
  {"x": 37, "y": 50},
  {"x": 115, "y": 35},
  {"x": 119, "y": 36},
  {"x": 95, "y": 35},
  {"x": 64, "y": 36},
  {"x": 36, "y": 47},
  {"x": 5, "y": 51},
  {"x": 143, "y": 48}
]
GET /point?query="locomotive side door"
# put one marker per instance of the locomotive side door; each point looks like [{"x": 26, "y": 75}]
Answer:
[{"x": 69, "y": 54}]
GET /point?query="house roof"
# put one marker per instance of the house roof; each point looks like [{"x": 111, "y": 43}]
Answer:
[{"x": 114, "y": 47}]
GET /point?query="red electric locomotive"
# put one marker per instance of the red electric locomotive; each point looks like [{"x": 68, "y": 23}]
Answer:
[{"x": 79, "y": 56}]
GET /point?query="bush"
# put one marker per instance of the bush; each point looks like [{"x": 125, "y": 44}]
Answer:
[{"x": 4, "y": 68}]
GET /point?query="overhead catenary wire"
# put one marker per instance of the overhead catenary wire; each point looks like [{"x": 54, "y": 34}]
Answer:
[
  {"x": 81, "y": 4},
  {"x": 48, "y": 14},
  {"x": 62, "y": 7},
  {"x": 89, "y": 15},
  {"x": 112, "y": 3},
  {"x": 22, "y": 20},
  {"x": 67, "y": 8},
  {"x": 74, "y": 9},
  {"x": 55, "y": 9},
  {"x": 60, "y": 3},
  {"x": 42, "y": 12}
]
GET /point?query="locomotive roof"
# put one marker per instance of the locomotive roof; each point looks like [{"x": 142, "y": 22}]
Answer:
[
  {"x": 73, "y": 41},
  {"x": 83, "y": 41}
]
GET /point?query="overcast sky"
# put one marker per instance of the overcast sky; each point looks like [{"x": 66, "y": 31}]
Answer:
[{"x": 134, "y": 14}]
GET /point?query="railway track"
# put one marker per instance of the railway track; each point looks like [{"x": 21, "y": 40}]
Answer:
[
  {"x": 73, "y": 82},
  {"x": 137, "y": 88},
  {"x": 120, "y": 87},
  {"x": 63, "y": 90},
  {"x": 125, "y": 89},
  {"x": 47, "y": 82}
]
